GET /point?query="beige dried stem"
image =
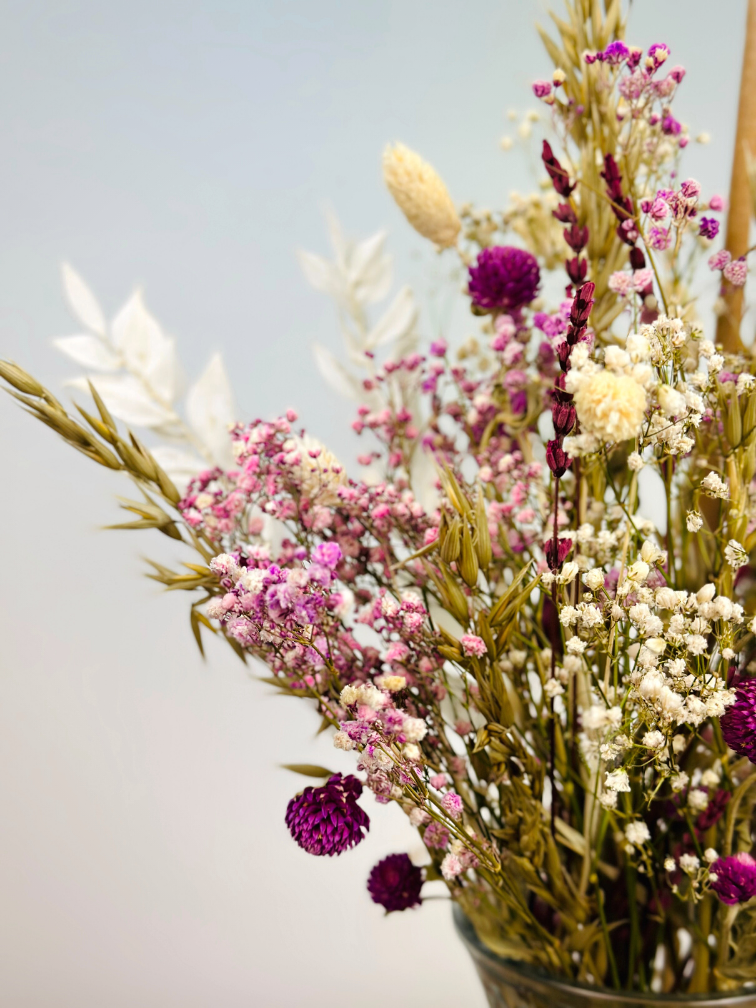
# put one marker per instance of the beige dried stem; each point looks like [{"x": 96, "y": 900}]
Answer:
[{"x": 740, "y": 208}]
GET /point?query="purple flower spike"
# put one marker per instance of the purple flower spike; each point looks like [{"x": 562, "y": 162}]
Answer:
[
  {"x": 564, "y": 416},
  {"x": 557, "y": 458},
  {"x": 328, "y": 820},
  {"x": 395, "y": 883},
  {"x": 563, "y": 548},
  {"x": 504, "y": 277},
  {"x": 739, "y": 723},
  {"x": 735, "y": 880},
  {"x": 559, "y": 177},
  {"x": 582, "y": 304}
]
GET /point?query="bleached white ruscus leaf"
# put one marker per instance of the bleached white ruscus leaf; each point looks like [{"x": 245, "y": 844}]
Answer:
[
  {"x": 321, "y": 274},
  {"x": 336, "y": 375},
  {"x": 126, "y": 398},
  {"x": 424, "y": 476},
  {"x": 146, "y": 349},
  {"x": 210, "y": 410},
  {"x": 90, "y": 352},
  {"x": 81, "y": 301},
  {"x": 339, "y": 242},
  {"x": 396, "y": 321},
  {"x": 370, "y": 269}
]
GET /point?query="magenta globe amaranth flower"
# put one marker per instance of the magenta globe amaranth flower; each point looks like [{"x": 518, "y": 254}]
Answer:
[
  {"x": 739, "y": 723},
  {"x": 735, "y": 880},
  {"x": 504, "y": 277},
  {"x": 395, "y": 883},
  {"x": 328, "y": 820}
]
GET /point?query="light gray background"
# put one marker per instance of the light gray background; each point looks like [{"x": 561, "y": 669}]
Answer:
[{"x": 191, "y": 146}]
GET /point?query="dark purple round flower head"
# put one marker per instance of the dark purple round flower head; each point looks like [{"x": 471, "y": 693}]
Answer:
[
  {"x": 708, "y": 227},
  {"x": 504, "y": 277},
  {"x": 395, "y": 883},
  {"x": 328, "y": 820},
  {"x": 735, "y": 878},
  {"x": 739, "y": 723}
]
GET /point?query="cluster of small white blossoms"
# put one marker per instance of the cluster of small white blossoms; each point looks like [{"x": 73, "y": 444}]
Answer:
[
  {"x": 699, "y": 874},
  {"x": 613, "y": 402},
  {"x": 602, "y": 738},
  {"x": 674, "y": 679}
]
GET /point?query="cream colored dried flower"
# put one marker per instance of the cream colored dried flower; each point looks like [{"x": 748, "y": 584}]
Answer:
[
  {"x": 421, "y": 195},
  {"x": 610, "y": 406},
  {"x": 320, "y": 472}
]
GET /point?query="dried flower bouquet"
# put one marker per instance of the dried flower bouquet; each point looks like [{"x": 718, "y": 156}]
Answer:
[{"x": 560, "y": 696}]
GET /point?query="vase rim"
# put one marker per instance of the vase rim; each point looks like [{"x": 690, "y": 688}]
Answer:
[{"x": 741, "y": 997}]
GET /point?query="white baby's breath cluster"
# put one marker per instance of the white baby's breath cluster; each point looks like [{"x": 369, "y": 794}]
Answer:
[{"x": 669, "y": 674}]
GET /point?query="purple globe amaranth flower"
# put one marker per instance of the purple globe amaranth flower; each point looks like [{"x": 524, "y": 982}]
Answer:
[
  {"x": 395, "y": 883},
  {"x": 739, "y": 723},
  {"x": 735, "y": 880},
  {"x": 328, "y": 820},
  {"x": 504, "y": 277}
]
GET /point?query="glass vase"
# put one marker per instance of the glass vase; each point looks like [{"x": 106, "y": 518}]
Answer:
[{"x": 510, "y": 984}]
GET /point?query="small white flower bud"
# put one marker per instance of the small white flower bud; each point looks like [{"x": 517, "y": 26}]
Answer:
[{"x": 342, "y": 741}]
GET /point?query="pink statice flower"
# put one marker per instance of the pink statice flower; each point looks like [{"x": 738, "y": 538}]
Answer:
[
  {"x": 719, "y": 260},
  {"x": 451, "y": 866},
  {"x": 736, "y": 272},
  {"x": 452, "y": 803},
  {"x": 659, "y": 239},
  {"x": 620, "y": 282},
  {"x": 690, "y": 188},
  {"x": 436, "y": 835},
  {"x": 472, "y": 645},
  {"x": 657, "y": 208},
  {"x": 642, "y": 280}
]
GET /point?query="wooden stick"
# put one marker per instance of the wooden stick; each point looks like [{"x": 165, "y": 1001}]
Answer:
[{"x": 740, "y": 208}]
